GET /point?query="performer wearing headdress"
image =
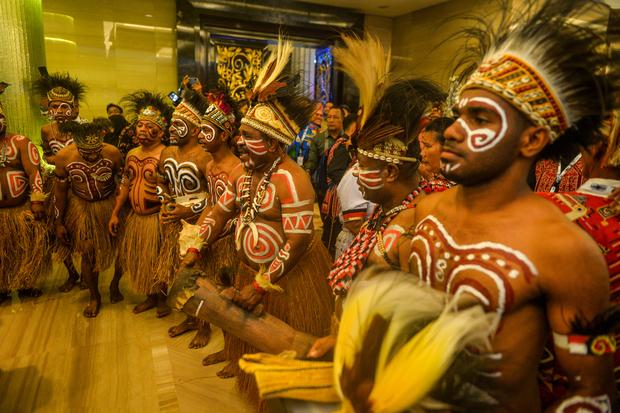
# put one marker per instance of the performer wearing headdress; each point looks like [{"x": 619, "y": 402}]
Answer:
[
  {"x": 282, "y": 261},
  {"x": 594, "y": 210},
  {"x": 23, "y": 239},
  {"x": 388, "y": 155},
  {"x": 219, "y": 124},
  {"x": 83, "y": 200},
  {"x": 61, "y": 95},
  {"x": 183, "y": 186},
  {"x": 542, "y": 78},
  {"x": 141, "y": 249}
]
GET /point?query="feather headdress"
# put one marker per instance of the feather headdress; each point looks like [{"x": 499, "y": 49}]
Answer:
[
  {"x": 150, "y": 106},
  {"x": 222, "y": 111},
  {"x": 191, "y": 107},
  {"x": 278, "y": 107},
  {"x": 392, "y": 326},
  {"x": 87, "y": 135},
  {"x": 549, "y": 62},
  {"x": 60, "y": 87},
  {"x": 392, "y": 109}
]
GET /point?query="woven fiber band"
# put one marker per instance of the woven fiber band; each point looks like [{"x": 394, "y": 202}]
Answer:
[
  {"x": 270, "y": 120},
  {"x": 151, "y": 114},
  {"x": 187, "y": 112},
  {"x": 60, "y": 94},
  {"x": 216, "y": 116}
]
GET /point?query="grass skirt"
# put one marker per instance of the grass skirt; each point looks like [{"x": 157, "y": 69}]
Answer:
[
  {"x": 143, "y": 255},
  {"x": 220, "y": 263},
  {"x": 24, "y": 248},
  {"x": 87, "y": 225},
  {"x": 306, "y": 304}
]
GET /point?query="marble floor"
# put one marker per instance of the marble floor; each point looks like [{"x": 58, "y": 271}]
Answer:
[{"x": 52, "y": 359}]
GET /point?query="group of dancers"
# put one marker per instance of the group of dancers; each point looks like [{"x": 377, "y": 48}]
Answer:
[{"x": 445, "y": 300}]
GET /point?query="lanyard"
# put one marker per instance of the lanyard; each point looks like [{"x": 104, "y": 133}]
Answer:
[{"x": 561, "y": 172}]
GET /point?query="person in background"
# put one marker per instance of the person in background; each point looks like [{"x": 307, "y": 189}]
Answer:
[
  {"x": 115, "y": 115},
  {"x": 431, "y": 140},
  {"x": 299, "y": 150}
]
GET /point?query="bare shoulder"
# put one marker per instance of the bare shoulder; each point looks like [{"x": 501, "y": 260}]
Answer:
[
  {"x": 292, "y": 182},
  {"x": 134, "y": 152},
  {"x": 66, "y": 155},
  {"x": 168, "y": 152},
  {"x": 111, "y": 152},
  {"x": 405, "y": 218},
  {"x": 429, "y": 203},
  {"x": 46, "y": 129}
]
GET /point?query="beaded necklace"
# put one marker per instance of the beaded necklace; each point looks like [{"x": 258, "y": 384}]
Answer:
[
  {"x": 249, "y": 210},
  {"x": 354, "y": 258}
]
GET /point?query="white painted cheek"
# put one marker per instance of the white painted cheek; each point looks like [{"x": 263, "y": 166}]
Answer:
[
  {"x": 483, "y": 139},
  {"x": 370, "y": 179},
  {"x": 207, "y": 133},
  {"x": 256, "y": 146}
]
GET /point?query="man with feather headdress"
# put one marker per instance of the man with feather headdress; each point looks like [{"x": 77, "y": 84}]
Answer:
[
  {"x": 23, "y": 241},
  {"x": 388, "y": 156},
  {"x": 141, "y": 250},
  {"x": 61, "y": 95},
  {"x": 85, "y": 175},
  {"x": 183, "y": 188},
  {"x": 543, "y": 77},
  {"x": 282, "y": 260}
]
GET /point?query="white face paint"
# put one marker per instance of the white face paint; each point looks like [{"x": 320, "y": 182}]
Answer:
[
  {"x": 179, "y": 128},
  {"x": 368, "y": 178},
  {"x": 482, "y": 139},
  {"x": 63, "y": 110},
  {"x": 207, "y": 133},
  {"x": 256, "y": 146}
]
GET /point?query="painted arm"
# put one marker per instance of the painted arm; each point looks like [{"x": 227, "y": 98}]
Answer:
[
  {"x": 48, "y": 155},
  {"x": 121, "y": 197},
  {"x": 31, "y": 162},
  {"x": 61, "y": 187},
  {"x": 573, "y": 296}
]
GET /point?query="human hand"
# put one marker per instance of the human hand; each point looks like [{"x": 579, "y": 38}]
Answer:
[
  {"x": 113, "y": 225},
  {"x": 38, "y": 210},
  {"x": 62, "y": 234},
  {"x": 173, "y": 212},
  {"x": 321, "y": 347},
  {"x": 247, "y": 298},
  {"x": 190, "y": 259}
]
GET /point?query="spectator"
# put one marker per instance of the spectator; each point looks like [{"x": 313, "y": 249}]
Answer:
[
  {"x": 115, "y": 115},
  {"x": 300, "y": 149}
]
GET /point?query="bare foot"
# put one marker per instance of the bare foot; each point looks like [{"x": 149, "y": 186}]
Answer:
[
  {"x": 202, "y": 337},
  {"x": 149, "y": 303},
  {"x": 29, "y": 292},
  {"x": 83, "y": 285},
  {"x": 227, "y": 372},
  {"x": 115, "y": 295},
  {"x": 214, "y": 358},
  {"x": 188, "y": 324},
  {"x": 163, "y": 310},
  {"x": 92, "y": 309},
  {"x": 68, "y": 285}
]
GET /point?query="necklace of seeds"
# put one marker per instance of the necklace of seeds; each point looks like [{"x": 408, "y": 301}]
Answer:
[{"x": 250, "y": 210}]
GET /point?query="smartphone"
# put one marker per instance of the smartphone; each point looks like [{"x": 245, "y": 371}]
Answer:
[
  {"x": 175, "y": 98},
  {"x": 43, "y": 71}
]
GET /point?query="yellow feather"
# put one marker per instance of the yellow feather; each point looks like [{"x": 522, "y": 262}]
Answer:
[
  {"x": 367, "y": 63},
  {"x": 276, "y": 63}
]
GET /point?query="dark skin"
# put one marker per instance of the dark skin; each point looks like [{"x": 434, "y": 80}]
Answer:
[
  {"x": 248, "y": 297},
  {"x": 144, "y": 201},
  {"x": 393, "y": 188},
  {"x": 494, "y": 204},
  {"x": 66, "y": 156}
]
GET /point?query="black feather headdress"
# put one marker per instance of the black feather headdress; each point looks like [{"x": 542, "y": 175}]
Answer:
[
  {"x": 278, "y": 107},
  {"x": 392, "y": 109},
  {"x": 60, "y": 87},
  {"x": 145, "y": 105},
  {"x": 550, "y": 61}
]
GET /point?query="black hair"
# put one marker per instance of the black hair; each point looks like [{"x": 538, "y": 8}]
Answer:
[
  {"x": 113, "y": 105},
  {"x": 350, "y": 119},
  {"x": 64, "y": 80},
  {"x": 439, "y": 126}
]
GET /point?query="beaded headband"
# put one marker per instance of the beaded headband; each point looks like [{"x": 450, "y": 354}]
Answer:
[
  {"x": 186, "y": 111},
  {"x": 270, "y": 119},
  {"x": 152, "y": 114},
  {"x": 220, "y": 119},
  {"x": 88, "y": 142},
  {"x": 523, "y": 87},
  {"x": 61, "y": 94},
  {"x": 391, "y": 150}
]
